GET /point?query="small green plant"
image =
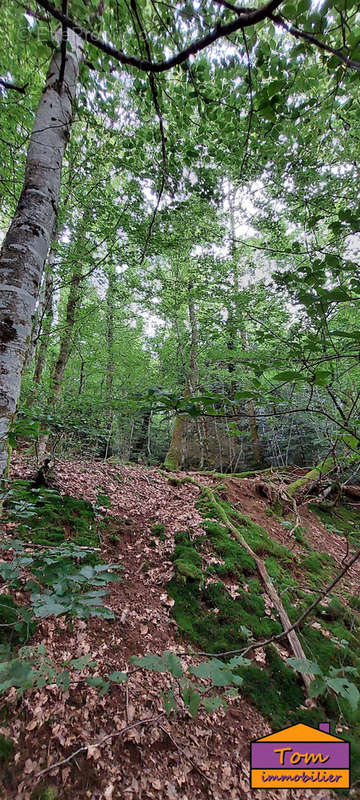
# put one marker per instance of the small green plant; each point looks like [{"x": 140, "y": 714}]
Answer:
[
  {"x": 6, "y": 749},
  {"x": 158, "y": 529},
  {"x": 334, "y": 681},
  {"x": 194, "y": 694},
  {"x": 71, "y": 589}
]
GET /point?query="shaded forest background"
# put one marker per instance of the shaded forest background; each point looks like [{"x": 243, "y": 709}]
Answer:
[{"x": 202, "y": 283}]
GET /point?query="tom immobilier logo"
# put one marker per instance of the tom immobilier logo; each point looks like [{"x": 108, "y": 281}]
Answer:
[{"x": 300, "y": 756}]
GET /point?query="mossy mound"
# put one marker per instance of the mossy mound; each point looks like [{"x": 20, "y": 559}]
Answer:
[
  {"x": 186, "y": 559},
  {"x": 254, "y": 534},
  {"x": 158, "y": 530},
  {"x": 48, "y": 518},
  {"x": 236, "y": 561}
]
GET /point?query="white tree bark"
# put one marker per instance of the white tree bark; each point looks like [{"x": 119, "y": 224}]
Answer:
[{"x": 27, "y": 241}]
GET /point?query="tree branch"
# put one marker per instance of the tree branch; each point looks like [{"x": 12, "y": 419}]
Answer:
[
  {"x": 323, "y": 593},
  {"x": 63, "y": 44},
  {"x": 278, "y": 19},
  {"x": 243, "y": 20},
  {"x": 13, "y": 86}
]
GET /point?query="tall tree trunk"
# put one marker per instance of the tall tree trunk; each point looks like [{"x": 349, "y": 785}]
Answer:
[
  {"x": 66, "y": 339},
  {"x": 142, "y": 439},
  {"x": 174, "y": 454},
  {"x": 193, "y": 381},
  {"x": 253, "y": 423},
  {"x": 110, "y": 365},
  {"x": 26, "y": 244},
  {"x": 66, "y": 342},
  {"x": 233, "y": 331}
]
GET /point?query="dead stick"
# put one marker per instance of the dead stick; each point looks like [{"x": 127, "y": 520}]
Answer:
[
  {"x": 140, "y": 722},
  {"x": 268, "y": 584},
  {"x": 194, "y": 766}
]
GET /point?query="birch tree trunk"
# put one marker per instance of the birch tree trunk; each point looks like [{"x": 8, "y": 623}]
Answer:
[{"x": 27, "y": 241}]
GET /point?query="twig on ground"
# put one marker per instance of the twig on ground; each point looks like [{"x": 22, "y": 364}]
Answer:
[
  {"x": 102, "y": 741},
  {"x": 205, "y": 777}
]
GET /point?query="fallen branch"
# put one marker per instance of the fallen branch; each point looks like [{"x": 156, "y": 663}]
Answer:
[
  {"x": 194, "y": 766},
  {"x": 315, "y": 474},
  {"x": 102, "y": 741},
  {"x": 289, "y": 630},
  {"x": 228, "y": 475},
  {"x": 323, "y": 593},
  {"x": 13, "y": 86}
]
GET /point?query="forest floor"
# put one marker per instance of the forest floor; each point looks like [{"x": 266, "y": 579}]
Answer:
[{"x": 149, "y": 754}]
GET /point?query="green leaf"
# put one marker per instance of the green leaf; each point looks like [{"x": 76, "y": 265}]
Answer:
[
  {"x": 98, "y": 683},
  {"x": 82, "y": 661},
  {"x": 212, "y": 703},
  {"x": 167, "y": 662},
  {"x": 305, "y": 666},
  {"x": 169, "y": 702},
  {"x": 345, "y": 689},
  {"x": 317, "y": 687},
  {"x": 289, "y": 375},
  {"x": 219, "y": 673},
  {"x": 192, "y": 700},
  {"x": 118, "y": 677}
]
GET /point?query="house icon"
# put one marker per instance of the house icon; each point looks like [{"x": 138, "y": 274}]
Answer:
[{"x": 300, "y": 756}]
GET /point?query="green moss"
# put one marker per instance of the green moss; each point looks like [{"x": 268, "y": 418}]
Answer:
[
  {"x": 48, "y": 518},
  {"x": 313, "y": 563},
  {"x": 186, "y": 559},
  {"x": 273, "y": 567},
  {"x": 158, "y": 529},
  {"x": 354, "y": 602},
  {"x": 254, "y": 534},
  {"x": 335, "y": 610},
  {"x": 276, "y": 689},
  {"x": 236, "y": 560},
  {"x": 320, "y": 648},
  {"x": 45, "y": 793},
  {"x": 299, "y": 537},
  {"x": 6, "y": 750},
  {"x": 188, "y": 570}
]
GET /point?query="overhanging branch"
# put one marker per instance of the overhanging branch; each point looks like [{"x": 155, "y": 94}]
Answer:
[{"x": 243, "y": 20}]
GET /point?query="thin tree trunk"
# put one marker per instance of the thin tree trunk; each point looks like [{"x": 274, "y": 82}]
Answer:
[
  {"x": 253, "y": 423},
  {"x": 27, "y": 241},
  {"x": 45, "y": 320},
  {"x": 66, "y": 341},
  {"x": 142, "y": 440},
  {"x": 193, "y": 381},
  {"x": 233, "y": 330},
  {"x": 110, "y": 365}
]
